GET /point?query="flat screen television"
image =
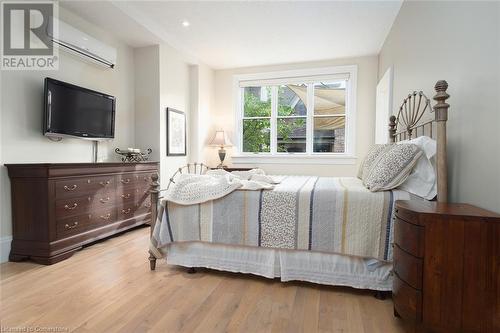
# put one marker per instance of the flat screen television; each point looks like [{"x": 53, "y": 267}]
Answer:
[{"x": 78, "y": 112}]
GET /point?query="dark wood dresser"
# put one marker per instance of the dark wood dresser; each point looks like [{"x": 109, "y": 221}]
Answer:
[
  {"x": 57, "y": 208},
  {"x": 447, "y": 267}
]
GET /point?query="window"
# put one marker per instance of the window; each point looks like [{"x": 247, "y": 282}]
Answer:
[
  {"x": 329, "y": 117},
  {"x": 308, "y": 113},
  {"x": 257, "y": 119}
]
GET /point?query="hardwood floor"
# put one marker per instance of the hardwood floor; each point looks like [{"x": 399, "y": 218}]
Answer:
[{"x": 108, "y": 287}]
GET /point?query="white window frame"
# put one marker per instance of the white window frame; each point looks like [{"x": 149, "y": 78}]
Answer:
[{"x": 299, "y": 76}]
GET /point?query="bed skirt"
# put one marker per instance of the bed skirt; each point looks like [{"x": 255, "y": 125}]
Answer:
[{"x": 315, "y": 267}]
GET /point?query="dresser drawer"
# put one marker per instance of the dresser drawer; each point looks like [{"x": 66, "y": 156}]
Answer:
[
  {"x": 135, "y": 179},
  {"x": 130, "y": 194},
  {"x": 407, "y": 300},
  {"x": 72, "y": 207},
  {"x": 77, "y": 224},
  {"x": 145, "y": 203},
  {"x": 76, "y": 206},
  {"x": 76, "y": 187},
  {"x": 408, "y": 267},
  {"x": 409, "y": 237},
  {"x": 101, "y": 200},
  {"x": 407, "y": 215},
  {"x": 130, "y": 210}
]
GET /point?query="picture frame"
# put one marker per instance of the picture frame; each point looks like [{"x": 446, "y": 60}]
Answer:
[{"x": 176, "y": 133}]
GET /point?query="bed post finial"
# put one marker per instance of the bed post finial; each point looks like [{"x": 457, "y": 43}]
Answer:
[
  {"x": 155, "y": 193},
  {"x": 441, "y": 110},
  {"x": 441, "y": 107},
  {"x": 392, "y": 129}
]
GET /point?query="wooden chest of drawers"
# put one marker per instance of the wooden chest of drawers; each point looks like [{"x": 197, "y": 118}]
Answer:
[
  {"x": 57, "y": 208},
  {"x": 447, "y": 267}
]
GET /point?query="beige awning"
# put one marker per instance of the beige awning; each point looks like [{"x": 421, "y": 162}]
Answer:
[
  {"x": 326, "y": 101},
  {"x": 329, "y": 123}
]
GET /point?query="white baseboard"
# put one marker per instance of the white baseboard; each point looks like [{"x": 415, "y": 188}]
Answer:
[{"x": 5, "y": 248}]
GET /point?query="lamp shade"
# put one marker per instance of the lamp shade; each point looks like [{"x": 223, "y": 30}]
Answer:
[{"x": 220, "y": 139}]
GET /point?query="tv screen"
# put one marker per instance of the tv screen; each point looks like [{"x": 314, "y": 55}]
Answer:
[{"x": 76, "y": 111}]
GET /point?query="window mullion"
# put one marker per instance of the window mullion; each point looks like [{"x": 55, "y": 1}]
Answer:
[
  {"x": 310, "y": 118},
  {"x": 347, "y": 121},
  {"x": 241, "y": 114},
  {"x": 274, "y": 114}
]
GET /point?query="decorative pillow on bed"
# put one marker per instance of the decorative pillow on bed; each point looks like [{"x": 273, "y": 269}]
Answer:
[
  {"x": 372, "y": 155},
  {"x": 393, "y": 167}
]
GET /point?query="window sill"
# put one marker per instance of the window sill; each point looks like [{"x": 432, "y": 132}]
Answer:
[{"x": 294, "y": 159}]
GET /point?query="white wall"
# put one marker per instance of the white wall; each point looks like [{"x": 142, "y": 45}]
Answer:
[
  {"x": 165, "y": 78},
  {"x": 22, "y": 111},
  {"x": 459, "y": 42},
  {"x": 147, "y": 99},
  {"x": 174, "y": 93},
  {"x": 202, "y": 102},
  {"x": 223, "y": 115},
  {"x": 383, "y": 108}
]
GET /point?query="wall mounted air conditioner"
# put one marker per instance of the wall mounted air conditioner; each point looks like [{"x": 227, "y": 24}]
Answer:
[{"x": 76, "y": 42}]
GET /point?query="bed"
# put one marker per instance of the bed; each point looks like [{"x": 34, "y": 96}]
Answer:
[{"x": 326, "y": 230}]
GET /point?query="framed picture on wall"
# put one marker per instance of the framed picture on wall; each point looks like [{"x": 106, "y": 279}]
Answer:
[{"x": 176, "y": 133}]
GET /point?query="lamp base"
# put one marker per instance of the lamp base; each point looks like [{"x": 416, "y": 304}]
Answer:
[{"x": 222, "y": 156}]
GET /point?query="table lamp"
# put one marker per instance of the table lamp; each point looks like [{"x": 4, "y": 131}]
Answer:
[{"x": 221, "y": 140}]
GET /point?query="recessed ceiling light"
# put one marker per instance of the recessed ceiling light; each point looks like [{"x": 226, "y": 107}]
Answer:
[{"x": 185, "y": 23}]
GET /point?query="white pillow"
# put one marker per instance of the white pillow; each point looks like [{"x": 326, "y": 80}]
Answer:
[{"x": 422, "y": 181}]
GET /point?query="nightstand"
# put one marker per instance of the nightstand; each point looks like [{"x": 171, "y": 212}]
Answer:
[{"x": 447, "y": 267}]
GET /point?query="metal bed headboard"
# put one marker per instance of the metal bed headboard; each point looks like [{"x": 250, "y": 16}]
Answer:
[
  {"x": 190, "y": 168},
  {"x": 411, "y": 117}
]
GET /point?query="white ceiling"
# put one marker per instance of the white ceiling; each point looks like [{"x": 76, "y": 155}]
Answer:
[
  {"x": 227, "y": 34},
  {"x": 108, "y": 17}
]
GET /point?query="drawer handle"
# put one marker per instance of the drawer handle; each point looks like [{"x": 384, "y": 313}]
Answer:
[
  {"x": 71, "y": 207},
  {"x": 104, "y": 200},
  {"x": 106, "y": 217},
  {"x": 126, "y": 211},
  {"x": 125, "y": 181},
  {"x": 126, "y": 196},
  {"x": 73, "y": 226},
  {"x": 106, "y": 183},
  {"x": 70, "y": 188}
]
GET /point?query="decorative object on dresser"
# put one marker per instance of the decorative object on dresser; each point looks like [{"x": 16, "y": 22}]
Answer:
[
  {"x": 176, "y": 133},
  {"x": 58, "y": 208},
  {"x": 446, "y": 267},
  {"x": 133, "y": 155},
  {"x": 221, "y": 140}
]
